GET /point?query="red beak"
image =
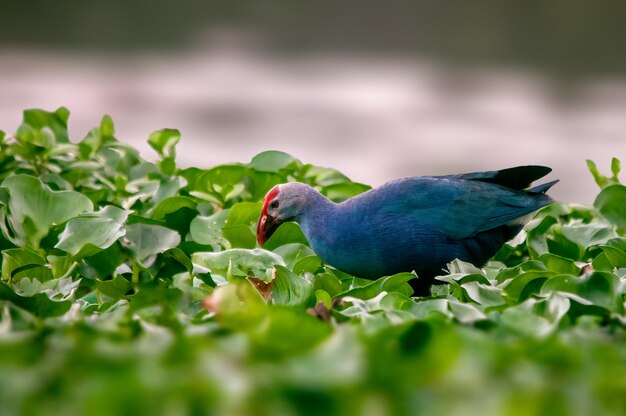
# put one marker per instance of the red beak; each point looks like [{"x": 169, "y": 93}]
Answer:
[
  {"x": 266, "y": 227},
  {"x": 267, "y": 224}
]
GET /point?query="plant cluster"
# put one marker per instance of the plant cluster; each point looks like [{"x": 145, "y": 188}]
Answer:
[{"x": 131, "y": 287}]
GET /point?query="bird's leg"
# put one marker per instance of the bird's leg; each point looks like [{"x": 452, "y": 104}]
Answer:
[{"x": 421, "y": 286}]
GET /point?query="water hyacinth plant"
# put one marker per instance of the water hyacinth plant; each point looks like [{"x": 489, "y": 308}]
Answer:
[{"x": 131, "y": 287}]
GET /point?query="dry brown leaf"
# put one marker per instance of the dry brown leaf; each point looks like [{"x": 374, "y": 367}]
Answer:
[{"x": 264, "y": 288}]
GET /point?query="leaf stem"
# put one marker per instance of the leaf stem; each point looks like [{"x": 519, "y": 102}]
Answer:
[{"x": 135, "y": 276}]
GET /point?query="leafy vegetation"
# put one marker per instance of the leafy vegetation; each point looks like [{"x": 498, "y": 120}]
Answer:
[{"x": 131, "y": 287}]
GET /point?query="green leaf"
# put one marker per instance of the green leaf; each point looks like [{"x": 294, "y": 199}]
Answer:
[
  {"x": 325, "y": 176},
  {"x": 602, "y": 263},
  {"x": 427, "y": 308},
  {"x": 599, "y": 288},
  {"x": 328, "y": 283},
  {"x": 339, "y": 192},
  {"x": 91, "y": 233},
  {"x": 237, "y": 227},
  {"x": 146, "y": 240},
  {"x": 220, "y": 176},
  {"x": 164, "y": 141},
  {"x": 157, "y": 292},
  {"x": 361, "y": 308},
  {"x": 93, "y": 142},
  {"x": 586, "y": 235},
  {"x": 307, "y": 264},
  {"x": 244, "y": 213},
  {"x": 61, "y": 266},
  {"x": 600, "y": 179},
  {"x": 27, "y": 287},
  {"x": 172, "y": 204},
  {"x": 60, "y": 289},
  {"x": 562, "y": 247},
  {"x": 262, "y": 182},
  {"x": 611, "y": 203},
  {"x": 616, "y": 166},
  {"x": 107, "y": 128},
  {"x": 465, "y": 312},
  {"x": 615, "y": 256},
  {"x": 558, "y": 305},
  {"x": 290, "y": 289},
  {"x": 293, "y": 253},
  {"x": 558, "y": 264},
  {"x": 457, "y": 266},
  {"x": 102, "y": 264},
  {"x": 115, "y": 288},
  {"x": 241, "y": 262},
  {"x": 518, "y": 285},
  {"x": 484, "y": 295},
  {"x": 180, "y": 256},
  {"x": 208, "y": 230},
  {"x": 324, "y": 298},
  {"x": 288, "y": 332},
  {"x": 536, "y": 240},
  {"x": 34, "y": 208},
  {"x": 238, "y": 305},
  {"x": 167, "y": 165},
  {"x": 240, "y": 236},
  {"x": 39, "y": 304},
  {"x": 18, "y": 263},
  {"x": 461, "y": 278},
  {"x": 273, "y": 161},
  {"x": 523, "y": 320},
  {"x": 396, "y": 283},
  {"x": 43, "y": 128},
  {"x": 167, "y": 187}
]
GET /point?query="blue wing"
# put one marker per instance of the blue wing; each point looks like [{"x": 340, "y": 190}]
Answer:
[{"x": 460, "y": 206}]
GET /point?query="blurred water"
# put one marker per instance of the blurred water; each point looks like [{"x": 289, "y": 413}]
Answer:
[{"x": 373, "y": 117}]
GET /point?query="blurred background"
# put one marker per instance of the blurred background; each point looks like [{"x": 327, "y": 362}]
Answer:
[{"x": 375, "y": 90}]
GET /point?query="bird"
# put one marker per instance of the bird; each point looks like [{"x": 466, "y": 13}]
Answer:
[{"x": 415, "y": 224}]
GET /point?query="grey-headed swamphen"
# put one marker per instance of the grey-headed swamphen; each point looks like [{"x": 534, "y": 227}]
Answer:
[{"x": 414, "y": 224}]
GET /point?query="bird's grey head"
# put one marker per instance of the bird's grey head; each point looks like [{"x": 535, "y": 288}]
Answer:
[{"x": 286, "y": 202}]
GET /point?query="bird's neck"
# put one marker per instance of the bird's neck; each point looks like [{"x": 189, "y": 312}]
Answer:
[
  {"x": 317, "y": 212},
  {"x": 316, "y": 204}
]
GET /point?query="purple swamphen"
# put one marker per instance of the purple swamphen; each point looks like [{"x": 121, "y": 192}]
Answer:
[{"x": 414, "y": 224}]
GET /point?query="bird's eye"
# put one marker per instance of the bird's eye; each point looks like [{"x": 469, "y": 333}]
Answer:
[{"x": 274, "y": 204}]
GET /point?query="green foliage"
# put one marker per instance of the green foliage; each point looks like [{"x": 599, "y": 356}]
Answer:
[{"x": 136, "y": 287}]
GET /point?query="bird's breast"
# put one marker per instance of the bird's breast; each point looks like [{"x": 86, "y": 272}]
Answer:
[{"x": 370, "y": 244}]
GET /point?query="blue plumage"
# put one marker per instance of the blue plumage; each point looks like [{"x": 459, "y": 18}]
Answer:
[{"x": 418, "y": 223}]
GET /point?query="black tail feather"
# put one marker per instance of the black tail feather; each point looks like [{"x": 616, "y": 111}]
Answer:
[
  {"x": 541, "y": 189},
  {"x": 519, "y": 177}
]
